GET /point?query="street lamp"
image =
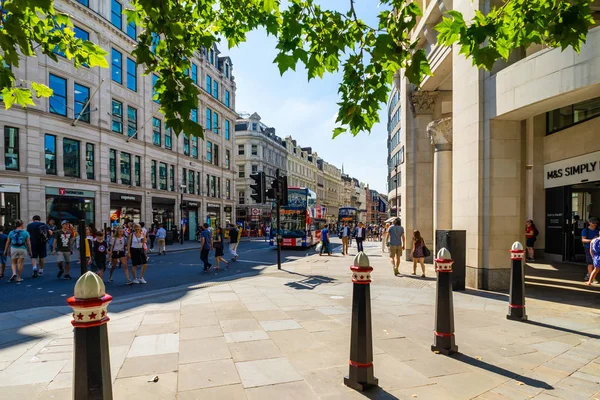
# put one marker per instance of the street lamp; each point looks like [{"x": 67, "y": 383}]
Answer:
[{"x": 182, "y": 187}]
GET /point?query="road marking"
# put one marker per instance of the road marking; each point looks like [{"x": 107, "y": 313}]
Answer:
[{"x": 50, "y": 291}]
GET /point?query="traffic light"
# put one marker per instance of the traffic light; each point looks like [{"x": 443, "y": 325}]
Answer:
[
  {"x": 258, "y": 188},
  {"x": 283, "y": 199},
  {"x": 272, "y": 193}
]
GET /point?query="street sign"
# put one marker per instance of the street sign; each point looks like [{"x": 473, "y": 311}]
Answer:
[{"x": 255, "y": 211}]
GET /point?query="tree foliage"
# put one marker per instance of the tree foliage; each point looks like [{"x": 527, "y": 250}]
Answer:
[{"x": 322, "y": 40}]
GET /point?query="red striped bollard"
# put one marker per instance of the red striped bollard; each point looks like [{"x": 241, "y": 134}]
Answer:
[
  {"x": 443, "y": 335},
  {"x": 91, "y": 370},
  {"x": 361, "y": 376},
  {"x": 516, "y": 302}
]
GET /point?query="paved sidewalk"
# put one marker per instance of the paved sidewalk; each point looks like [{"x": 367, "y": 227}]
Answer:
[{"x": 285, "y": 335}]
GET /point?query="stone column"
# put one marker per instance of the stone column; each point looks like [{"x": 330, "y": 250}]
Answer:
[{"x": 440, "y": 133}]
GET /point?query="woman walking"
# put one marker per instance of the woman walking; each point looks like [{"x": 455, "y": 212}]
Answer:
[
  {"x": 418, "y": 256},
  {"x": 531, "y": 234},
  {"x": 383, "y": 242},
  {"x": 152, "y": 236},
  {"x": 117, "y": 253},
  {"x": 135, "y": 247},
  {"x": 218, "y": 244}
]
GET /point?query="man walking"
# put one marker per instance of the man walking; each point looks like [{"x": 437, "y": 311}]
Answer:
[
  {"x": 39, "y": 233},
  {"x": 51, "y": 229},
  {"x": 17, "y": 247},
  {"x": 63, "y": 245},
  {"x": 205, "y": 246},
  {"x": 360, "y": 235},
  {"x": 161, "y": 236},
  {"x": 345, "y": 235},
  {"x": 325, "y": 241},
  {"x": 397, "y": 241},
  {"x": 233, "y": 242}
]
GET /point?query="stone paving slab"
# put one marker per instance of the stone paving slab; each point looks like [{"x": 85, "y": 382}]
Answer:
[{"x": 285, "y": 335}]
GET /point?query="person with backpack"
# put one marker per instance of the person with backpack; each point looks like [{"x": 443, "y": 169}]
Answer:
[
  {"x": 17, "y": 247},
  {"x": 39, "y": 234},
  {"x": 531, "y": 234},
  {"x": 63, "y": 246},
  {"x": 3, "y": 240}
]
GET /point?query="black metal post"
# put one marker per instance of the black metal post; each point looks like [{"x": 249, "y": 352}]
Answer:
[
  {"x": 277, "y": 203},
  {"x": 516, "y": 305},
  {"x": 361, "y": 374},
  {"x": 181, "y": 219},
  {"x": 91, "y": 372},
  {"x": 443, "y": 335},
  {"x": 82, "y": 244}
]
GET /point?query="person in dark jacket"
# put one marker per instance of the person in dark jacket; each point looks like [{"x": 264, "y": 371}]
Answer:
[{"x": 360, "y": 234}]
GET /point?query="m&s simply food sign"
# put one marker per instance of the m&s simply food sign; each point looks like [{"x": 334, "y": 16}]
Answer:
[{"x": 574, "y": 170}]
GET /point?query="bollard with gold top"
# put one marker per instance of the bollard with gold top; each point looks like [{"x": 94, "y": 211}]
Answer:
[
  {"x": 443, "y": 333},
  {"x": 91, "y": 359},
  {"x": 516, "y": 304}
]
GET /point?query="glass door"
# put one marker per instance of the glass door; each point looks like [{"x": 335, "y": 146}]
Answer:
[{"x": 193, "y": 224}]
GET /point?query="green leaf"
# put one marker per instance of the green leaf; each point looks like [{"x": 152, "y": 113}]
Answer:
[
  {"x": 269, "y": 5},
  {"x": 41, "y": 90},
  {"x": 19, "y": 96},
  {"x": 338, "y": 131},
  {"x": 418, "y": 68}
]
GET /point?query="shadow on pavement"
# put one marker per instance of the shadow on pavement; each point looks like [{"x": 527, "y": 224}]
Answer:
[
  {"x": 378, "y": 393},
  {"x": 560, "y": 328},
  {"x": 501, "y": 371}
]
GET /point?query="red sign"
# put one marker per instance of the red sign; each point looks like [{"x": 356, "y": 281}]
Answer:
[
  {"x": 62, "y": 191},
  {"x": 289, "y": 242}
]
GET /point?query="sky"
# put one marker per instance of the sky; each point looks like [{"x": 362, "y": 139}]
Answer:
[{"x": 307, "y": 110}]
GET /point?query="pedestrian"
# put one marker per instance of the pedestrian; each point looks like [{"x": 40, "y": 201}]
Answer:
[
  {"x": 52, "y": 228},
  {"x": 396, "y": 240},
  {"x": 383, "y": 232},
  {"x": 325, "y": 245},
  {"x": 152, "y": 236},
  {"x": 267, "y": 233},
  {"x": 531, "y": 234},
  {"x": 63, "y": 246},
  {"x": 17, "y": 247},
  {"x": 117, "y": 253},
  {"x": 418, "y": 252},
  {"x": 135, "y": 252},
  {"x": 360, "y": 235},
  {"x": 99, "y": 250},
  {"x": 218, "y": 245},
  {"x": 587, "y": 235},
  {"x": 233, "y": 241},
  {"x": 345, "y": 238},
  {"x": 595, "y": 253},
  {"x": 3, "y": 240},
  {"x": 161, "y": 236},
  {"x": 205, "y": 246},
  {"x": 39, "y": 234}
]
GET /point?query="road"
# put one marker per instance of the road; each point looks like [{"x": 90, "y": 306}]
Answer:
[{"x": 174, "y": 269}]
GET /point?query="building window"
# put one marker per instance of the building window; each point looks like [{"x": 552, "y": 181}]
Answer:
[
  {"x": 138, "y": 171},
  {"x": 168, "y": 138},
  {"x": 226, "y": 68},
  {"x": 112, "y": 165},
  {"x": 50, "y": 154},
  {"x": 228, "y": 189},
  {"x": 184, "y": 180},
  {"x": 131, "y": 122},
  {"x": 215, "y": 89},
  {"x": 208, "y": 118},
  {"x": 186, "y": 145},
  {"x": 162, "y": 176},
  {"x": 89, "y": 161},
  {"x": 209, "y": 152},
  {"x": 156, "y": 131},
  {"x": 153, "y": 174},
  {"x": 154, "y": 93},
  {"x": 117, "y": 66},
  {"x": 216, "y": 123},
  {"x": 84, "y": 2},
  {"x": 194, "y": 147},
  {"x": 81, "y": 33},
  {"x": 211, "y": 57},
  {"x": 195, "y": 73},
  {"x": 227, "y": 158},
  {"x": 226, "y": 129},
  {"x": 208, "y": 83},
  {"x": 11, "y": 148},
  {"x": 227, "y": 98},
  {"x": 207, "y": 185},
  {"x": 254, "y": 169},
  {"x": 172, "y": 178},
  {"x": 254, "y": 126},
  {"x": 218, "y": 184},
  {"x": 117, "y": 116},
  {"x": 212, "y": 186},
  {"x": 216, "y": 154},
  {"x": 125, "y": 168},
  {"x": 131, "y": 75},
  {"x": 198, "y": 184},
  {"x": 191, "y": 182},
  {"x": 82, "y": 96},
  {"x": 58, "y": 100},
  {"x": 573, "y": 114},
  {"x": 71, "y": 158},
  {"x": 241, "y": 171},
  {"x": 242, "y": 198},
  {"x": 254, "y": 150},
  {"x": 194, "y": 115},
  {"x": 116, "y": 9},
  {"x": 131, "y": 30}
]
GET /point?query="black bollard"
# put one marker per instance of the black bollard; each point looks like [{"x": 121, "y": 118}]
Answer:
[
  {"x": 443, "y": 335},
  {"x": 91, "y": 370},
  {"x": 361, "y": 372},
  {"x": 516, "y": 304}
]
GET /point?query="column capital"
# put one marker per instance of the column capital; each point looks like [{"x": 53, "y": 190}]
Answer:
[
  {"x": 440, "y": 134},
  {"x": 423, "y": 101}
]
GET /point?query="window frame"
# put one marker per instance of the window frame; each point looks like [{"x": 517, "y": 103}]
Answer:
[
  {"x": 153, "y": 174},
  {"x": 209, "y": 150},
  {"x": 85, "y": 116},
  {"x": 160, "y": 183},
  {"x": 124, "y": 155},
  {"x": 112, "y": 165},
  {"x": 227, "y": 129},
  {"x": 215, "y": 89},
  {"x": 15, "y": 154},
  {"x": 215, "y": 122},
  {"x": 208, "y": 85},
  {"x": 78, "y": 158},
  {"x": 155, "y": 131},
  {"x": 90, "y": 160},
  {"x": 241, "y": 171},
  {"x": 194, "y": 74},
  {"x": 227, "y": 158},
  {"x": 113, "y": 14},
  {"x": 241, "y": 149},
  {"x": 56, "y": 96},
  {"x": 138, "y": 170},
  {"x": 186, "y": 145},
  {"x": 132, "y": 123},
  {"x": 128, "y": 28},
  {"x": 116, "y": 67},
  {"x": 46, "y": 154},
  {"x": 169, "y": 136},
  {"x": 131, "y": 76},
  {"x": 118, "y": 118},
  {"x": 171, "y": 178},
  {"x": 227, "y": 98}
]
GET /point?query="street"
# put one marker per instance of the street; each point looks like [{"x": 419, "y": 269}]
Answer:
[{"x": 174, "y": 269}]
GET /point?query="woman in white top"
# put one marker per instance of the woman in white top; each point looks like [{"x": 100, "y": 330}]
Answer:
[{"x": 137, "y": 241}]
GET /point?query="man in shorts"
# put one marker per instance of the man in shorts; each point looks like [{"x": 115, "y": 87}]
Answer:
[
  {"x": 63, "y": 246},
  {"x": 396, "y": 241},
  {"x": 17, "y": 247},
  {"x": 39, "y": 234}
]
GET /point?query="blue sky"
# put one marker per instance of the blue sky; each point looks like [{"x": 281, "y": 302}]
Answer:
[{"x": 307, "y": 111}]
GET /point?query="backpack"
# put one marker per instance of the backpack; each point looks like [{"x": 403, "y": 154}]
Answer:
[
  {"x": 18, "y": 240},
  {"x": 535, "y": 232},
  {"x": 44, "y": 233}
]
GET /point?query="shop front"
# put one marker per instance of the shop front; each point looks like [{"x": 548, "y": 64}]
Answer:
[
  {"x": 213, "y": 215},
  {"x": 10, "y": 209},
  {"x": 572, "y": 197},
  {"x": 125, "y": 208},
  {"x": 190, "y": 217},
  {"x": 70, "y": 205},
  {"x": 163, "y": 212}
]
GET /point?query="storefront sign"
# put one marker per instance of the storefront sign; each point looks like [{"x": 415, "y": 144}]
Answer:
[
  {"x": 571, "y": 171},
  {"x": 10, "y": 188},
  {"x": 126, "y": 197},
  {"x": 69, "y": 192},
  {"x": 191, "y": 204},
  {"x": 213, "y": 205}
]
